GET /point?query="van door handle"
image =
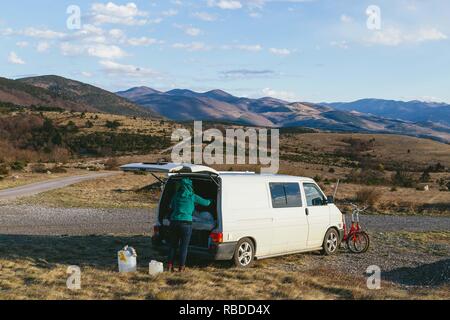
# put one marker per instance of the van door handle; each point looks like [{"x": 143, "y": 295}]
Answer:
[{"x": 307, "y": 211}]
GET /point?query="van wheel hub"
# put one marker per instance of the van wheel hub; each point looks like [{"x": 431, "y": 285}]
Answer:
[
  {"x": 332, "y": 242},
  {"x": 245, "y": 254}
]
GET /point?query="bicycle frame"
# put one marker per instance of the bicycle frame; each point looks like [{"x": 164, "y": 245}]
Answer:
[{"x": 355, "y": 227}]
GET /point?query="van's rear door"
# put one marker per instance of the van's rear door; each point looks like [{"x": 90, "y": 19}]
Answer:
[{"x": 168, "y": 168}]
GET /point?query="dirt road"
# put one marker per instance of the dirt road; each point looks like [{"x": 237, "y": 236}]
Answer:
[{"x": 39, "y": 187}]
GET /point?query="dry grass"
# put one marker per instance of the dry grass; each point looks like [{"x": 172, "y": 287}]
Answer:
[
  {"x": 386, "y": 149},
  {"x": 35, "y": 268},
  {"x": 128, "y": 124},
  {"x": 117, "y": 191}
]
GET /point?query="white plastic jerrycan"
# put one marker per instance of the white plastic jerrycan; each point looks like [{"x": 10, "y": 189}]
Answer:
[
  {"x": 127, "y": 259},
  {"x": 155, "y": 268}
]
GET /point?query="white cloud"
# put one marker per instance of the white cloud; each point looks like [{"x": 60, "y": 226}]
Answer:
[
  {"x": 280, "y": 52},
  {"x": 193, "y": 46},
  {"x": 155, "y": 21},
  {"x": 69, "y": 49},
  {"x": 189, "y": 30},
  {"x": 7, "y": 32},
  {"x": 205, "y": 16},
  {"x": 345, "y": 18},
  {"x": 395, "y": 36},
  {"x": 106, "y": 51},
  {"x": 14, "y": 58},
  {"x": 243, "y": 47},
  {"x": 42, "y": 33},
  {"x": 114, "y": 68},
  {"x": 117, "y": 34},
  {"x": 193, "y": 32},
  {"x": 112, "y": 13},
  {"x": 283, "y": 95},
  {"x": 170, "y": 13},
  {"x": 251, "y": 48},
  {"x": 86, "y": 74},
  {"x": 142, "y": 41},
  {"x": 339, "y": 44},
  {"x": 430, "y": 35},
  {"x": 225, "y": 4},
  {"x": 42, "y": 46},
  {"x": 22, "y": 44}
]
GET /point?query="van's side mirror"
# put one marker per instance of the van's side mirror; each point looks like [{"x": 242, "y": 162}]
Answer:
[{"x": 330, "y": 199}]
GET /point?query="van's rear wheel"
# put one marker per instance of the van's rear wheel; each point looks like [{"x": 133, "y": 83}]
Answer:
[
  {"x": 244, "y": 255},
  {"x": 331, "y": 242}
]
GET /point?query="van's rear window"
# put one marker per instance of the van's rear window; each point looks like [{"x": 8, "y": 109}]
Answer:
[{"x": 285, "y": 195}]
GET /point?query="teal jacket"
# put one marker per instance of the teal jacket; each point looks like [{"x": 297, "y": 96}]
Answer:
[{"x": 184, "y": 201}]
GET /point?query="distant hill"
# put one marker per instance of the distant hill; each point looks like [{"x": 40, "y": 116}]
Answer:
[
  {"x": 23, "y": 94},
  {"x": 218, "y": 105},
  {"x": 415, "y": 111},
  {"x": 67, "y": 94}
]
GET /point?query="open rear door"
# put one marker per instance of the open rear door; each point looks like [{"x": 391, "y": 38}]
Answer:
[{"x": 168, "y": 168}]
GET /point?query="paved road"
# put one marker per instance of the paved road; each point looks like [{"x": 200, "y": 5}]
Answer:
[
  {"x": 32, "y": 220},
  {"x": 39, "y": 187}
]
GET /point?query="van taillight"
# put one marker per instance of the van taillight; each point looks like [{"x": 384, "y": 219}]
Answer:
[
  {"x": 216, "y": 237},
  {"x": 156, "y": 230}
]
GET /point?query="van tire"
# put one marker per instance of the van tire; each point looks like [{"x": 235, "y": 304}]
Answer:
[
  {"x": 330, "y": 242},
  {"x": 244, "y": 254}
]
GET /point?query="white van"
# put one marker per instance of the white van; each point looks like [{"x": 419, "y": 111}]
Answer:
[{"x": 256, "y": 216}]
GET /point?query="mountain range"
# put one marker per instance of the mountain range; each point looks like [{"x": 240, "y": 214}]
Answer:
[
  {"x": 415, "y": 111},
  {"x": 218, "y": 105},
  {"x": 415, "y": 118}
]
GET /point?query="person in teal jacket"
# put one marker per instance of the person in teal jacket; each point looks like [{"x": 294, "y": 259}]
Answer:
[{"x": 183, "y": 206}]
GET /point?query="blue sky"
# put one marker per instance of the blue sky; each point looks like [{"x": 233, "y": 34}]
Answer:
[{"x": 304, "y": 50}]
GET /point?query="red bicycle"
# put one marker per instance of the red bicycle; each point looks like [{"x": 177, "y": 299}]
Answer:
[{"x": 356, "y": 238}]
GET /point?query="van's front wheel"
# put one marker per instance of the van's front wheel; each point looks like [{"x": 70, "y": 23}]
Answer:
[
  {"x": 331, "y": 242},
  {"x": 244, "y": 255}
]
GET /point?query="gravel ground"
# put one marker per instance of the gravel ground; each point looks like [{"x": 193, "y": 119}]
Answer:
[
  {"x": 35, "y": 220},
  {"x": 409, "y": 263},
  {"x": 402, "y": 261}
]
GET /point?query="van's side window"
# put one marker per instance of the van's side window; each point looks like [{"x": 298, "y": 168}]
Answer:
[
  {"x": 313, "y": 195},
  {"x": 285, "y": 195}
]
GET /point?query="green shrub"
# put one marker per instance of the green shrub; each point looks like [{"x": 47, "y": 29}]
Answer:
[
  {"x": 368, "y": 196},
  {"x": 4, "y": 170},
  {"x": 403, "y": 179},
  {"x": 113, "y": 125},
  {"x": 425, "y": 177},
  {"x": 366, "y": 176},
  {"x": 18, "y": 165},
  {"x": 39, "y": 168},
  {"x": 58, "y": 169}
]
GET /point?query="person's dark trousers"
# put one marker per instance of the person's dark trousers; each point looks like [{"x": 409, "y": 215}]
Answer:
[{"x": 180, "y": 237}]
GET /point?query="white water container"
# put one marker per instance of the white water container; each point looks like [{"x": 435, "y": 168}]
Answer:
[
  {"x": 155, "y": 268},
  {"x": 127, "y": 260}
]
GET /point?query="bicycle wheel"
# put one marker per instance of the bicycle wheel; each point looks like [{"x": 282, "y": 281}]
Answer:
[{"x": 358, "y": 242}]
